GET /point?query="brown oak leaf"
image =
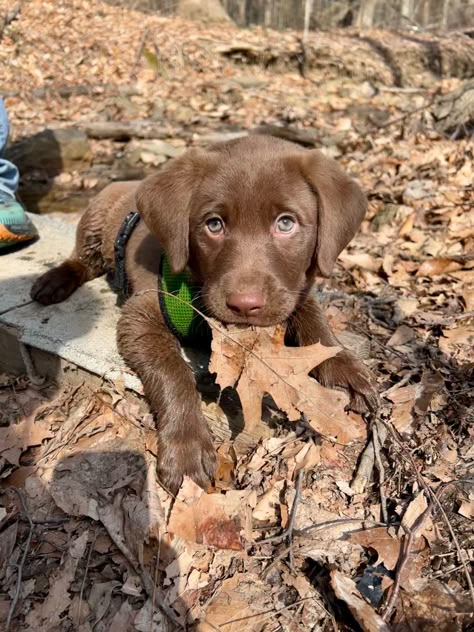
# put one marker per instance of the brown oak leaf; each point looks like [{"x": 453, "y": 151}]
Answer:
[{"x": 255, "y": 361}]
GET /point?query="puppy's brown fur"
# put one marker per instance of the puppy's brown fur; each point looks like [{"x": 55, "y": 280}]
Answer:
[{"x": 248, "y": 184}]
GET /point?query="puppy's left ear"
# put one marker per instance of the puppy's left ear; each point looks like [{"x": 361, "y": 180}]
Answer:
[
  {"x": 341, "y": 206},
  {"x": 164, "y": 202}
]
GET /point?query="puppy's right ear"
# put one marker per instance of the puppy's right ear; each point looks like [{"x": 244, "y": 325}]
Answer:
[{"x": 163, "y": 201}]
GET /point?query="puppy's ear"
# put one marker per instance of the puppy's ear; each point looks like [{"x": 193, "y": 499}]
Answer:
[
  {"x": 340, "y": 209},
  {"x": 164, "y": 199}
]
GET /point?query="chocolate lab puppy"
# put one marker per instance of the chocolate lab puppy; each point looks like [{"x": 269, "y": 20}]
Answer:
[{"x": 252, "y": 221}]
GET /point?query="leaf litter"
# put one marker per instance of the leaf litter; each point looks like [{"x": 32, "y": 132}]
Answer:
[{"x": 97, "y": 544}]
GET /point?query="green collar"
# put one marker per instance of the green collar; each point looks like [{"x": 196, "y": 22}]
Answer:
[
  {"x": 180, "y": 317},
  {"x": 182, "y": 320}
]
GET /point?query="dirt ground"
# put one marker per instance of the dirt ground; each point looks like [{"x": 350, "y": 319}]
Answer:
[{"x": 298, "y": 532}]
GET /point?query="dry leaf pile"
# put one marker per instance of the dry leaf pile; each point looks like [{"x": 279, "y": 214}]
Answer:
[{"x": 300, "y": 531}]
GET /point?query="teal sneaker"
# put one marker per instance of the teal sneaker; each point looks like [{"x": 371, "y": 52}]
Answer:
[{"x": 15, "y": 225}]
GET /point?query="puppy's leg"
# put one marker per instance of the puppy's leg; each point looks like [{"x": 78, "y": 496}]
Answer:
[
  {"x": 185, "y": 444},
  {"x": 309, "y": 325},
  {"x": 85, "y": 263}
]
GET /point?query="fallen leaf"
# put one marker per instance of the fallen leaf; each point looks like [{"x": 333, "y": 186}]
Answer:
[
  {"x": 417, "y": 510},
  {"x": 467, "y": 508},
  {"x": 212, "y": 519},
  {"x": 346, "y": 590},
  {"x": 239, "y": 596},
  {"x": 17, "y": 438},
  {"x": 257, "y": 362},
  {"x": 379, "y": 539},
  {"x": 47, "y": 614},
  {"x": 361, "y": 260},
  {"x": 401, "y": 336},
  {"x": 268, "y": 503},
  {"x": 438, "y": 265},
  {"x": 431, "y": 383},
  {"x": 453, "y": 339},
  {"x": 438, "y": 607},
  {"x": 468, "y": 297}
]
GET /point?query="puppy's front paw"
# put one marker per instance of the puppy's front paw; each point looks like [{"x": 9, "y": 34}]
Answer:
[
  {"x": 348, "y": 372},
  {"x": 188, "y": 452},
  {"x": 58, "y": 284}
]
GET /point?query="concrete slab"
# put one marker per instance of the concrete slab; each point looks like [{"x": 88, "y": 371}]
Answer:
[
  {"x": 18, "y": 269},
  {"x": 81, "y": 330}
]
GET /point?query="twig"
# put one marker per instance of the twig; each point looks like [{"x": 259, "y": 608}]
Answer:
[
  {"x": 141, "y": 46},
  {"x": 20, "y": 566},
  {"x": 319, "y": 527},
  {"x": 406, "y": 378},
  {"x": 378, "y": 460},
  {"x": 265, "y": 614},
  {"x": 455, "y": 540},
  {"x": 288, "y": 530},
  {"x": 334, "y": 523},
  {"x": 10, "y": 17},
  {"x": 435, "y": 500},
  {"x": 33, "y": 376},
  {"x": 403, "y": 560},
  {"x": 401, "y": 118},
  {"x": 367, "y": 460},
  {"x": 83, "y": 583},
  {"x": 155, "y": 579}
]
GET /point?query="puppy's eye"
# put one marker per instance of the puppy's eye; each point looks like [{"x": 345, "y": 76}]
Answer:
[
  {"x": 285, "y": 224},
  {"x": 215, "y": 225}
]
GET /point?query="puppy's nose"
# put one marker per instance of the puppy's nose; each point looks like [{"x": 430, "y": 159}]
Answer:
[{"x": 246, "y": 303}]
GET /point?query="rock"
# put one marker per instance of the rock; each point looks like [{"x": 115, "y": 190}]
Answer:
[
  {"x": 417, "y": 190},
  {"x": 153, "y": 152},
  {"x": 125, "y": 106},
  {"x": 149, "y": 158},
  {"x": 249, "y": 81},
  {"x": 51, "y": 151},
  {"x": 209, "y": 11},
  {"x": 454, "y": 112}
]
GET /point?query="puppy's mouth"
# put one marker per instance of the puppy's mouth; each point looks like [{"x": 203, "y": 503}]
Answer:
[
  {"x": 251, "y": 307},
  {"x": 253, "y": 321},
  {"x": 265, "y": 318}
]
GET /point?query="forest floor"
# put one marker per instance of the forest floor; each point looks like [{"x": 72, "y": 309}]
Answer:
[{"x": 88, "y": 540}]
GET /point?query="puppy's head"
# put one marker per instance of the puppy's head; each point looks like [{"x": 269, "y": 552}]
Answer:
[{"x": 255, "y": 220}]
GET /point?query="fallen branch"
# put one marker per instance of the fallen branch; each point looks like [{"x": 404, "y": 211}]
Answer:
[
  {"x": 287, "y": 533},
  {"x": 125, "y": 131},
  {"x": 367, "y": 461},
  {"x": 19, "y": 567},
  {"x": 10, "y": 17}
]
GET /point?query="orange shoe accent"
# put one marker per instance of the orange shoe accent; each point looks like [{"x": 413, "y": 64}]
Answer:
[{"x": 7, "y": 236}]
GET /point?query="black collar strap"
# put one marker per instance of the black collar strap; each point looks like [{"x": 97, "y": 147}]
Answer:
[
  {"x": 126, "y": 229},
  {"x": 177, "y": 292}
]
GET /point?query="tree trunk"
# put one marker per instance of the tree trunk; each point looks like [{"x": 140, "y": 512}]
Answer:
[
  {"x": 366, "y": 15},
  {"x": 202, "y": 11}
]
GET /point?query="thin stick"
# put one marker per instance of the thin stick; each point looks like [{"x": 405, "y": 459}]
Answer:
[
  {"x": 367, "y": 460},
  {"x": 288, "y": 530},
  {"x": 10, "y": 17},
  {"x": 20, "y": 566},
  {"x": 401, "y": 118},
  {"x": 155, "y": 579},
  {"x": 83, "y": 583},
  {"x": 406, "y": 378},
  {"x": 404, "y": 558},
  {"x": 141, "y": 46},
  {"x": 265, "y": 613},
  {"x": 381, "y": 471},
  {"x": 33, "y": 376},
  {"x": 435, "y": 499},
  {"x": 318, "y": 527}
]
